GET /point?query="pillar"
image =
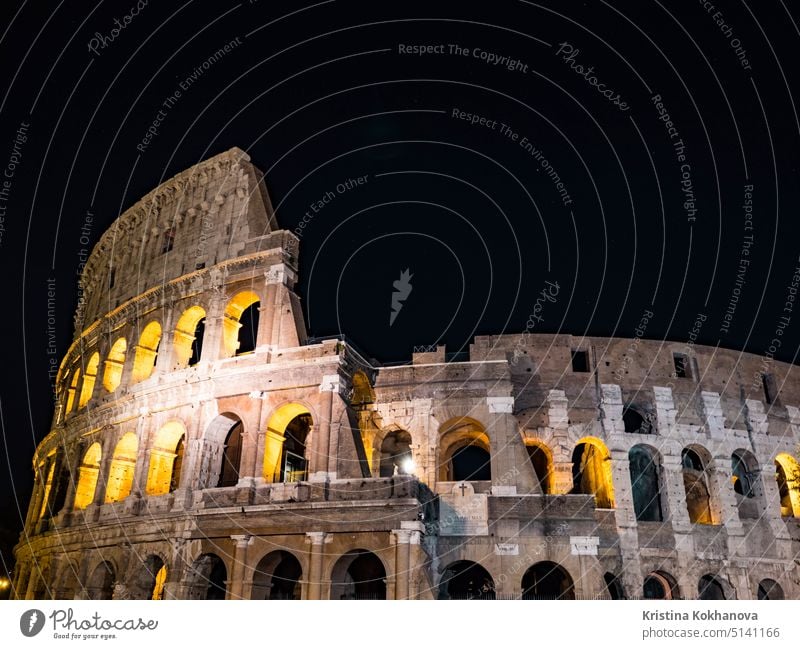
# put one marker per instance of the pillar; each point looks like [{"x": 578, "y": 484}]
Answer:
[
  {"x": 558, "y": 422},
  {"x": 409, "y": 534},
  {"x": 317, "y": 541},
  {"x": 236, "y": 588},
  {"x": 319, "y": 453}
]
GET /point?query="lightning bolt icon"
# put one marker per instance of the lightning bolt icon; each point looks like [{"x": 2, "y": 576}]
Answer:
[
  {"x": 402, "y": 290},
  {"x": 32, "y": 621}
]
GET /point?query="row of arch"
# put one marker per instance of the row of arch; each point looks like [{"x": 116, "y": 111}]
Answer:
[
  {"x": 239, "y": 336},
  {"x": 360, "y": 574}
]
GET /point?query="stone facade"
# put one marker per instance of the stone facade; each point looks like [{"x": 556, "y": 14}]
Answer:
[{"x": 184, "y": 462}]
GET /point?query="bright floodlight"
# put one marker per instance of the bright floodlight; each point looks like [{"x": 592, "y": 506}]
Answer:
[{"x": 408, "y": 466}]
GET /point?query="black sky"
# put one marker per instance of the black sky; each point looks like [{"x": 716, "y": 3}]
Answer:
[{"x": 320, "y": 93}]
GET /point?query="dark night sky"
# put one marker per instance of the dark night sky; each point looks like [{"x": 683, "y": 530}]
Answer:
[{"x": 322, "y": 95}]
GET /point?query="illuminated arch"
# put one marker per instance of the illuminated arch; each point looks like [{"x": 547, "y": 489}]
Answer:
[
  {"x": 696, "y": 461},
  {"x": 363, "y": 394},
  {"x": 395, "y": 454},
  {"x": 284, "y": 445},
  {"x": 166, "y": 457},
  {"x": 123, "y": 466},
  {"x": 112, "y": 376},
  {"x": 87, "y": 477},
  {"x": 89, "y": 376},
  {"x": 542, "y": 461},
  {"x": 591, "y": 472},
  {"x": 146, "y": 352},
  {"x": 787, "y": 473},
  {"x": 464, "y": 451},
  {"x": 232, "y": 324},
  {"x": 73, "y": 389},
  {"x": 188, "y": 337}
]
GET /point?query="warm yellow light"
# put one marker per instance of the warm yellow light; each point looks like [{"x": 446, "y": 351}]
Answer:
[
  {"x": 273, "y": 443},
  {"x": 73, "y": 388},
  {"x": 162, "y": 458},
  {"x": 4, "y": 583},
  {"x": 185, "y": 334},
  {"x": 231, "y": 324},
  {"x": 146, "y": 352},
  {"x": 87, "y": 477},
  {"x": 161, "y": 581},
  {"x": 114, "y": 364},
  {"x": 88, "y": 380},
  {"x": 123, "y": 466},
  {"x": 788, "y": 476}
]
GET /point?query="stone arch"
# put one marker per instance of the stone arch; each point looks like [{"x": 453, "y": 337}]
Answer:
[
  {"x": 358, "y": 574},
  {"x": 769, "y": 589},
  {"x": 240, "y": 324},
  {"x": 123, "y": 466},
  {"x": 207, "y": 578},
  {"x": 660, "y": 585},
  {"x": 614, "y": 586},
  {"x": 68, "y": 583},
  {"x": 363, "y": 393},
  {"x": 466, "y": 580},
  {"x": 149, "y": 578},
  {"x": 637, "y": 420},
  {"x": 395, "y": 454},
  {"x": 713, "y": 587},
  {"x": 787, "y": 474},
  {"x": 89, "y": 377},
  {"x": 547, "y": 580},
  {"x": 591, "y": 471},
  {"x": 88, "y": 473},
  {"x": 464, "y": 451},
  {"x": 166, "y": 459},
  {"x": 144, "y": 359},
  {"x": 187, "y": 339},
  {"x": 695, "y": 461},
  {"x": 100, "y": 584},
  {"x": 288, "y": 432},
  {"x": 277, "y": 576},
  {"x": 221, "y": 455},
  {"x": 646, "y": 482},
  {"x": 72, "y": 391},
  {"x": 747, "y": 487},
  {"x": 115, "y": 362},
  {"x": 541, "y": 458}
]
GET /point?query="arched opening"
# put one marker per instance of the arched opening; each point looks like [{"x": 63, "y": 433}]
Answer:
[
  {"x": 188, "y": 337},
  {"x": 231, "y": 457},
  {"x": 746, "y": 484},
  {"x": 208, "y": 578},
  {"x": 88, "y": 473},
  {"x": 144, "y": 360},
  {"x": 645, "y": 470},
  {"x": 660, "y": 585},
  {"x": 101, "y": 582},
  {"x": 635, "y": 421},
  {"x": 277, "y": 576},
  {"x": 240, "y": 324},
  {"x": 787, "y": 474},
  {"x": 465, "y": 453},
  {"x": 123, "y": 465},
  {"x": 112, "y": 376},
  {"x": 89, "y": 377},
  {"x": 466, "y": 580},
  {"x": 710, "y": 587},
  {"x": 614, "y": 586},
  {"x": 591, "y": 472},
  {"x": 769, "y": 589},
  {"x": 547, "y": 580},
  {"x": 72, "y": 392},
  {"x": 359, "y": 574},
  {"x": 47, "y": 475},
  {"x": 150, "y": 580},
  {"x": 542, "y": 462},
  {"x": 396, "y": 454},
  {"x": 695, "y": 484},
  {"x": 288, "y": 430},
  {"x": 166, "y": 458}
]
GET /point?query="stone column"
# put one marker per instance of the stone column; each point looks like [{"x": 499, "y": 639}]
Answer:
[
  {"x": 410, "y": 533},
  {"x": 109, "y": 444},
  {"x": 558, "y": 418},
  {"x": 236, "y": 588},
  {"x": 267, "y": 316},
  {"x": 511, "y": 467},
  {"x": 165, "y": 361},
  {"x": 317, "y": 541},
  {"x": 213, "y": 334},
  {"x": 319, "y": 455}
]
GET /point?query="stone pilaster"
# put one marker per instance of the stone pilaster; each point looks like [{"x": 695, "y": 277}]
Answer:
[
  {"x": 558, "y": 422},
  {"x": 316, "y": 541},
  {"x": 236, "y": 587},
  {"x": 712, "y": 410}
]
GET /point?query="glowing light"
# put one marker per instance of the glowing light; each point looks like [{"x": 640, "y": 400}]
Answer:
[
  {"x": 4, "y": 583},
  {"x": 409, "y": 466}
]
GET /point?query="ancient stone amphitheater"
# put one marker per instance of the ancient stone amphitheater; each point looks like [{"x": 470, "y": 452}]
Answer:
[{"x": 203, "y": 446}]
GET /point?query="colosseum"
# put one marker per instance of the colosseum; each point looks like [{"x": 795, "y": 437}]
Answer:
[{"x": 204, "y": 447}]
